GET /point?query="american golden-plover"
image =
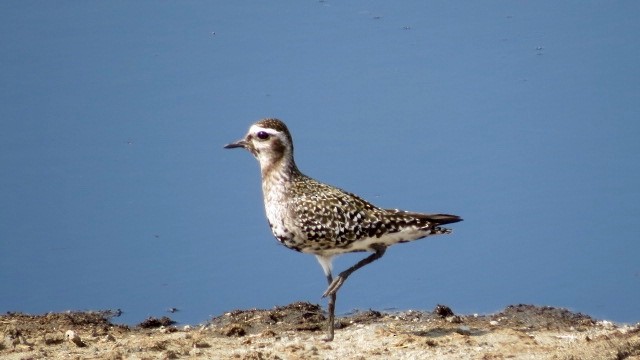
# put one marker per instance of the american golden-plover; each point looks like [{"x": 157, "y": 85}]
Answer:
[{"x": 315, "y": 218}]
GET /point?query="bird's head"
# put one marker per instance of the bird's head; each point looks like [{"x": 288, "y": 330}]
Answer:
[{"x": 269, "y": 141}]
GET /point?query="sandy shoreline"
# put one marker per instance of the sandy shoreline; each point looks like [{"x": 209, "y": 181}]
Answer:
[{"x": 295, "y": 331}]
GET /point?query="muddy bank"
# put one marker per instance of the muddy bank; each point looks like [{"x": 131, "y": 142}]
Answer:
[{"x": 295, "y": 331}]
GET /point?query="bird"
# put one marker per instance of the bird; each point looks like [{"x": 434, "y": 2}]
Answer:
[{"x": 315, "y": 218}]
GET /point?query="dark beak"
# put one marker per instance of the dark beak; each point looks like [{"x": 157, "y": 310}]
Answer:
[{"x": 237, "y": 144}]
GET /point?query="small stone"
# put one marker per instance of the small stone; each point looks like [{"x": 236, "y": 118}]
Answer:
[{"x": 73, "y": 337}]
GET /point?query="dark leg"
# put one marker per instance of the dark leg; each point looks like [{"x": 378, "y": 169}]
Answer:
[
  {"x": 331, "y": 309},
  {"x": 340, "y": 279}
]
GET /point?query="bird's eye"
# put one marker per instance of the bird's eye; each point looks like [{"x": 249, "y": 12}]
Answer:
[{"x": 262, "y": 135}]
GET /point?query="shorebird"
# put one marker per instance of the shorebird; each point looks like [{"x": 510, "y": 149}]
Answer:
[{"x": 315, "y": 218}]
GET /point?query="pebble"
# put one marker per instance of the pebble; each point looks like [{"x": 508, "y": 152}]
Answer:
[{"x": 73, "y": 337}]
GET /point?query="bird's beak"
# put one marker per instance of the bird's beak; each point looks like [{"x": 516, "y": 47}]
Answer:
[{"x": 240, "y": 143}]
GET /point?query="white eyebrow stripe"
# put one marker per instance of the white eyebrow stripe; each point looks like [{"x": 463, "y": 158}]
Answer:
[{"x": 255, "y": 128}]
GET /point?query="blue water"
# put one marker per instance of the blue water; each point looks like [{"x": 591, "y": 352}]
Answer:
[{"x": 521, "y": 117}]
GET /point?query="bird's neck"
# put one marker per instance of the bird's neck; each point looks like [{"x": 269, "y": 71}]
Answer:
[{"x": 278, "y": 171}]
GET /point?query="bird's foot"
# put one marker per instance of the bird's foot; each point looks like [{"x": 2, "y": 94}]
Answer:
[{"x": 328, "y": 338}]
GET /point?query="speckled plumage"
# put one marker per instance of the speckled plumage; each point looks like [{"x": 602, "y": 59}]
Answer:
[
  {"x": 324, "y": 220},
  {"x": 312, "y": 217}
]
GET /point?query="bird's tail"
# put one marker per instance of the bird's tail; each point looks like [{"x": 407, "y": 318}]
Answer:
[
  {"x": 437, "y": 219},
  {"x": 442, "y": 219},
  {"x": 431, "y": 222}
]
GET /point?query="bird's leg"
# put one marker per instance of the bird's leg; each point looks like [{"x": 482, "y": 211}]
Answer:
[
  {"x": 334, "y": 285},
  {"x": 331, "y": 309}
]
